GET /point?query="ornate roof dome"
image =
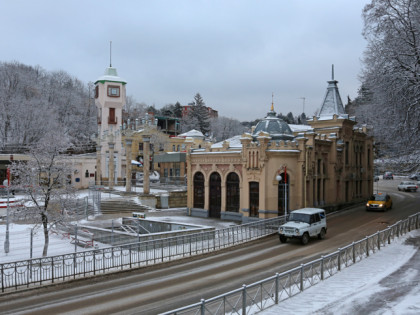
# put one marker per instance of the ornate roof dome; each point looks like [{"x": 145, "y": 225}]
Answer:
[{"x": 276, "y": 127}]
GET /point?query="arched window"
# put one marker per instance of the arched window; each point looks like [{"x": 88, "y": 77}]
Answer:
[
  {"x": 283, "y": 195},
  {"x": 232, "y": 192},
  {"x": 199, "y": 190}
]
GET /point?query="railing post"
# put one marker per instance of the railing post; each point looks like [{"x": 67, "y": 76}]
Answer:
[
  {"x": 243, "y": 299},
  {"x": 379, "y": 240},
  {"x": 354, "y": 253},
  {"x": 301, "y": 277},
  {"x": 417, "y": 221},
  {"x": 398, "y": 229},
  {"x": 322, "y": 267},
  {"x": 367, "y": 246},
  {"x": 389, "y": 235},
  {"x": 276, "y": 298},
  {"x": 339, "y": 259},
  {"x": 203, "y": 307}
]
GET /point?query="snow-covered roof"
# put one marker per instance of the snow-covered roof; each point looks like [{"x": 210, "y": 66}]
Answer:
[
  {"x": 300, "y": 128},
  {"x": 111, "y": 75},
  {"x": 192, "y": 134},
  {"x": 234, "y": 142}
]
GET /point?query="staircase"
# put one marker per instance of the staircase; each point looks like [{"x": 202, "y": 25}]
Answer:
[{"x": 122, "y": 205}]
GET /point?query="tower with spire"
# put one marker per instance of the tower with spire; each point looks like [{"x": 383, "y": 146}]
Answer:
[
  {"x": 110, "y": 97},
  {"x": 332, "y": 104}
]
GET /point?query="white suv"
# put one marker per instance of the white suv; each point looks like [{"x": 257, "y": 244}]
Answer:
[{"x": 303, "y": 224}]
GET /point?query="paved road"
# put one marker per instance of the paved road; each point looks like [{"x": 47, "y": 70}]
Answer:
[{"x": 161, "y": 288}]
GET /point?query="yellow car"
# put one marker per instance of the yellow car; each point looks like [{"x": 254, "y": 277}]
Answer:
[{"x": 379, "y": 201}]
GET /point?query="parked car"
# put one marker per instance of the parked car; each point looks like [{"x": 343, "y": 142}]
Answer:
[
  {"x": 379, "y": 201},
  {"x": 303, "y": 224},
  {"x": 414, "y": 176},
  {"x": 375, "y": 178},
  {"x": 388, "y": 175},
  {"x": 407, "y": 186}
]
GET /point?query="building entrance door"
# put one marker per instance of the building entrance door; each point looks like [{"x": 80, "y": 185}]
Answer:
[{"x": 215, "y": 196}]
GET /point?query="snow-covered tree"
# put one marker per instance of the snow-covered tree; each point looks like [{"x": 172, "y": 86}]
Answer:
[
  {"x": 44, "y": 179},
  {"x": 223, "y": 128},
  {"x": 392, "y": 71},
  {"x": 32, "y": 100}
]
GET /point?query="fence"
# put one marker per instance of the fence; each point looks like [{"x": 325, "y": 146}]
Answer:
[
  {"x": 32, "y": 272},
  {"x": 265, "y": 293}
]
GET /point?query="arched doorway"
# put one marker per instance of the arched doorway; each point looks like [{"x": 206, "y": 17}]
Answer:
[
  {"x": 254, "y": 198},
  {"x": 215, "y": 195},
  {"x": 232, "y": 192},
  {"x": 199, "y": 190},
  {"x": 283, "y": 194}
]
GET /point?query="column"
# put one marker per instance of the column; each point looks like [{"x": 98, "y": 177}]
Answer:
[
  {"x": 146, "y": 164},
  {"x": 128, "y": 143},
  {"x": 111, "y": 165}
]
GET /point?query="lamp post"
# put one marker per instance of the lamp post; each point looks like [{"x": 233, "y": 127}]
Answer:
[{"x": 279, "y": 178}]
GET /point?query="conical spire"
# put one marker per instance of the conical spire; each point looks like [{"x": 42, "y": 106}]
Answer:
[{"x": 332, "y": 103}]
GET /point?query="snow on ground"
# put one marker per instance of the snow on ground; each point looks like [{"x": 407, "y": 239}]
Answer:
[{"x": 387, "y": 282}]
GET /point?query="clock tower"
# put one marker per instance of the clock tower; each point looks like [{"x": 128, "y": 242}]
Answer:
[{"x": 110, "y": 96}]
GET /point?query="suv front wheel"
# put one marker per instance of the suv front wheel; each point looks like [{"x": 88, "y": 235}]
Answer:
[
  {"x": 305, "y": 238},
  {"x": 283, "y": 239}
]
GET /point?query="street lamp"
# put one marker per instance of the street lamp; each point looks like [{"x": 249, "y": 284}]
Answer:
[{"x": 279, "y": 178}]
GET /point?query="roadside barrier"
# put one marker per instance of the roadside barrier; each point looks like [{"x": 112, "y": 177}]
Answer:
[
  {"x": 250, "y": 299},
  {"x": 23, "y": 274}
]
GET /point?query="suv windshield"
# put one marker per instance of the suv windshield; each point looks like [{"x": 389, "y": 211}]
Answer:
[{"x": 299, "y": 217}]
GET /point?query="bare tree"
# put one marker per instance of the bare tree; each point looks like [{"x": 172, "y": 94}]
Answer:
[
  {"x": 223, "y": 128},
  {"x": 392, "y": 70},
  {"x": 44, "y": 179},
  {"x": 32, "y": 100}
]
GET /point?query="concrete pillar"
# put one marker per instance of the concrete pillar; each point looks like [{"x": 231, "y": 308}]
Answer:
[
  {"x": 128, "y": 143},
  {"x": 111, "y": 165},
  {"x": 146, "y": 164}
]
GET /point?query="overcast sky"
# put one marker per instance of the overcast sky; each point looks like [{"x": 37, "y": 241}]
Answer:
[{"x": 234, "y": 53}]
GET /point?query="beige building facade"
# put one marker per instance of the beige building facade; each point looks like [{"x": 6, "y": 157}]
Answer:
[{"x": 279, "y": 168}]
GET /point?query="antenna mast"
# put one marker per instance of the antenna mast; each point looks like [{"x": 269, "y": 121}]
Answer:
[
  {"x": 110, "y": 53},
  {"x": 303, "y": 98}
]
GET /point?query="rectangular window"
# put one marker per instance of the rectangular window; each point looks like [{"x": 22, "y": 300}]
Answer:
[
  {"x": 96, "y": 91},
  {"x": 113, "y": 91}
]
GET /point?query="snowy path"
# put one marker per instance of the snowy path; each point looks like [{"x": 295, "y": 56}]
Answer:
[{"x": 387, "y": 282}]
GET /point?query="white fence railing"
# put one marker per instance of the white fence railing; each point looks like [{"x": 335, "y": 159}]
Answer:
[
  {"x": 34, "y": 272},
  {"x": 265, "y": 293}
]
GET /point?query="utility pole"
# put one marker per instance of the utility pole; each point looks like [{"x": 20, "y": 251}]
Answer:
[{"x": 303, "y": 98}]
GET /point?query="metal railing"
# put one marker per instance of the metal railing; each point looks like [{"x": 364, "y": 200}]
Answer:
[
  {"x": 262, "y": 294},
  {"x": 34, "y": 272}
]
